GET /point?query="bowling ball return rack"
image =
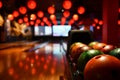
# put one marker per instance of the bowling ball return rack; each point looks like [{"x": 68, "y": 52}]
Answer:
[{"x": 77, "y": 36}]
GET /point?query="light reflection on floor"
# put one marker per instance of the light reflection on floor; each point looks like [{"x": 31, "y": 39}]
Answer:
[{"x": 45, "y": 63}]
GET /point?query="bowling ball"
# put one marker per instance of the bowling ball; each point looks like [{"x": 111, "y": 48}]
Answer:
[
  {"x": 99, "y": 46},
  {"x": 91, "y": 44},
  {"x": 115, "y": 52},
  {"x": 74, "y": 44},
  {"x": 102, "y": 67},
  {"x": 85, "y": 57},
  {"x": 107, "y": 48},
  {"x": 76, "y": 50}
]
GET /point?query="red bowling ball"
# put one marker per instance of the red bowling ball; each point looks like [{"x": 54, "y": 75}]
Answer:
[{"x": 102, "y": 67}]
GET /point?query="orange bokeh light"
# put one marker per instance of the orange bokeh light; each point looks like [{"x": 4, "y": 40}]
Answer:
[
  {"x": 25, "y": 19},
  {"x": 75, "y": 17},
  {"x": 36, "y": 57},
  {"x": 52, "y": 17},
  {"x": 10, "y": 17},
  {"x": 71, "y": 21},
  {"x": 33, "y": 17},
  {"x": 52, "y": 71}
]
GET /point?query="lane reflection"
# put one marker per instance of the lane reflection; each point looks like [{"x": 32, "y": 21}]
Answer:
[{"x": 46, "y": 63}]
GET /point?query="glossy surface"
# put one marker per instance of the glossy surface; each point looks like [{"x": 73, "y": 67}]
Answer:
[
  {"x": 33, "y": 61},
  {"x": 102, "y": 67}
]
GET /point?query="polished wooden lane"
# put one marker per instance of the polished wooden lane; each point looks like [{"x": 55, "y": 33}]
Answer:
[{"x": 46, "y": 62}]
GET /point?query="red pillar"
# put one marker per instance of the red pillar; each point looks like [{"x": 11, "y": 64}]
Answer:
[{"x": 110, "y": 16}]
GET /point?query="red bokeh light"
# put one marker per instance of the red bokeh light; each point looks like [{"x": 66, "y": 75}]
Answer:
[
  {"x": 63, "y": 20},
  {"x": 54, "y": 22},
  {"x": 81, "y": 10},
  {"x": 119, "y": 10},
  {"x": 100, "y": 22},
  {"x": 27, "y": 23},
  {"x": 42, "y": 24},
  {"x": 33, "y": 71},
  {"x": 40, "y": 14},
  {"x": 71, "y": 21},
  {"x": 25, "y": 19},
  {"x": 31, "y": 4},
  {"x": 118, "y": 22},
  {"x": 93, "y": 24},
  {"x": 27, "y": 59},
  {"x": 96, "y": 20},
  {"x": 66, "y": 14},
  {"x": 15, "y": 13},
  {"x": 45, "y": 19},
  {"x": 11, "y": 71},
  {"x": 32, "y": 23},
  {"x": 38, "y": 21},
  {"x": 20, "y": 64},
  {"x": 67, "y": 4},
  {"x": 20, "y": 21},
  {"x": 51, "y": 10},
  {"x": 38, "y": 64},
  {"x": 45, "y": 66},
  {"x": 1, "y": 4},
  {"x": 32, "y": 61},
  {"x": 22, "y": 10}
]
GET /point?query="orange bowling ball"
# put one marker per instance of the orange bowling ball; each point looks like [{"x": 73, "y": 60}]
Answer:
[
  {"x": 76, "y": 50},
  {"x": 102, "y": 67},
  {"x": 99, "y": 46}
]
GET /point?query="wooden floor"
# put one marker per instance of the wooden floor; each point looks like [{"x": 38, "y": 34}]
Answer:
[{"x": 33, "y": 61}]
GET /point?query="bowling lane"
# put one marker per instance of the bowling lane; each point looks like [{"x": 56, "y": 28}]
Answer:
[{"x": 46, "y": 61}]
